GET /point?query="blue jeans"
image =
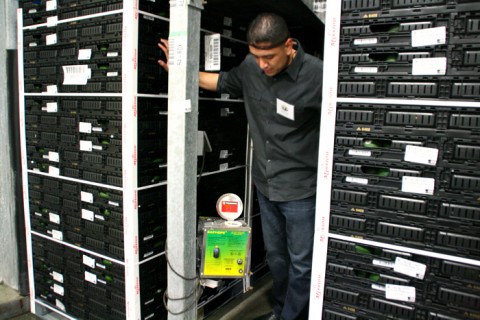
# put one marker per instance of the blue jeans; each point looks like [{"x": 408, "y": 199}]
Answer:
[{"x": 288, "y": 231}]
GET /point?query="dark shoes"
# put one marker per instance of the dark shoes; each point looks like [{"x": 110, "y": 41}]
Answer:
[{"x": 268, "y": 316}]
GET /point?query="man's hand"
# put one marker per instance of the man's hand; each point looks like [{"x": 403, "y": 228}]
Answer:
[{"x": 163, "y": 44}]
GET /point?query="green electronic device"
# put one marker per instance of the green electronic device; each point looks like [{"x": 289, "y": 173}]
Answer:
[{"x": 225, "y": 244}]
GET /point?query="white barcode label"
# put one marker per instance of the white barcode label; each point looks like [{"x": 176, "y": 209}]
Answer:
[
  {"x": 53, "y": 156},
  {"x": 53, "y": 217},
  {"x": 85, "y": 127},
  {"x": 51, "y": 107},
  {"x": 365, "y": 41},
  {"x": 112, "y": 74},
  {"x": 57, "y": 235},
  {"x": 54, "y": 171},
  {"x": 112, "y": 54},
  {"x": 52, "y": 21},
  {"x": 86, "y": 197},
  {"x": 51, "y": 5},
  {"x": 383, "y": 263},
  {"x": 177, "y": 46},
  {"x": 224, "y": 154},
  {"x": 57, "y": 276},
  {"x": 429, "y": 37},
  {"x": 223, "y": 166},
  {"x": 366, "y": 70},
  {"x": 76, "y": 74},
  {"x": 58, "y": 289},
  {"x": 113, "y": 203},
  {"x": 86, "y": 145},
  {"x": 418, "y": 185},
  {"x": 356, "y": 180},
  {"x": 88, "y": 261},
  {"x": 212, "y": 52},
  {"x": 421, "y": 155},
  {"x": 90, "y": 277},
  {"x": 429, "y": 66},
  {"x": 410, "y": 268},
  {"x": 378, "y": 287},
  {"x": 400, "y": 293},
  {"x": 51, "y": 39},
  {"x": 52, "y": 89}
]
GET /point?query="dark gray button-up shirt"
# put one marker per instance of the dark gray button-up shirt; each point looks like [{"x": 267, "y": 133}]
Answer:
[{"x": 285, "y": 154}]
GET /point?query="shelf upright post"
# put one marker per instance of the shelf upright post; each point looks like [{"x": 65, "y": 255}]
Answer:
[
  {"x": 184, "y": 42},
  {"x": 325, "y": 157}
]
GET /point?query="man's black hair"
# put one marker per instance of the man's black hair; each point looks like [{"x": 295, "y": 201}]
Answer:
[{"x": 267, "y": 28}]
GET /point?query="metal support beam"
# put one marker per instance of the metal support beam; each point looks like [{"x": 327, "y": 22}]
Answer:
[{"x": 184, "y": 40}]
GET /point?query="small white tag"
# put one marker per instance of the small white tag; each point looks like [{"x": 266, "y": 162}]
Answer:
[
  {"x": 52, "y": 89},
  {"x": 418, "y": 185},
  {"x": 177, "y": 50},
  {"x": 99, "y": 217},
  {"x": 383, "y": 263},
  {"x": 356, "y": 180},
  {"x": 421, "y": 155},
  {"x": 224, "y": 154},
  {"x": 362, "y": 153},
  {"x": 84, "y": 54},
  {"x": 112, "y": 74},
  {"x": 88, "y": 261},
  {"x": 59, "y": 304},
  {"x": 212, "y": 52},
  {"x": 86, "y": 197},
  {"x": 429, "y": 37},
  {"x": 87, "y": 215},
  {"x": 53, "y": 217},
  {"x": 57, "y": 276},
  {"x": 52, "y": 107},
  {"x": 285, "y": 109},
  {"x": 378, "y": 287},
  {"x": 366, "y": 69},
  {"x": 86, "y": 145},
  {"x": 90, "y": 277},
  {"x": 54, "y": 171},
  {"x": 223, "y": 166},
  {"x": 116, "y": 204},
  {"x": 53, "y": 156},
  {"x": 429, "y": 66},
  {"x": 365, "y": 41},
  {"x": 52, "y": 21},
  {"x": 51, "y": 39},
  {"x": 85, "y": 127},
  {"x": 58, "y": 289},
  {"x": 410, "y": 268},
  {"x": 400, "y": 293},
  {"x": 112, "y": 54},
  {"x": 57, "y": 235},
  {"x": 51, "y": 5}
]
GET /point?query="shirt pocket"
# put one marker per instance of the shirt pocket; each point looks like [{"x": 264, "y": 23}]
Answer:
[{"x": 298, "y": 114}]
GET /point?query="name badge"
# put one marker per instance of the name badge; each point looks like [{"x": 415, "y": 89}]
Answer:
[{"x": 285, "y": 109}]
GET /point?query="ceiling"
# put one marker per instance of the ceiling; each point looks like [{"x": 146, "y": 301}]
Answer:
[{"x": 303, "y": 23}]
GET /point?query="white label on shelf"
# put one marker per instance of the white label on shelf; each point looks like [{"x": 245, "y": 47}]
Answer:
[
  {"x": 224, "y": 154},
  {"x": 53, "y": 217},
  {"x": 177, "y": 50},
  {"x": 51, "y": 39},
  {"x": 32, "y": 44},
  {"x": 149, "y": 237},
  {"x": 400, "y": 293},
  {"x": 52, "y": 21},
  {"x": 418, "y": 185},
  {"x": 86, "y": 145},
  {"x": 223, "y": 166},
  {"x": 356, "y": 180},
  {"x": 57, "y": 276},
  {"x": 429, "y": 66},
  {"x": 57, "y": 235},
  {"x": 429, "y": 37},
  {"x": 88, "y": 215},
  {"x": 52, "y": 89},
  {"x": 90, "y": 277},
  {"x": 53, "y": 156},
  {"x": 86, "y": 197},
  {"x": 84, "y": 54},
  {"x": 112, "y": 203},
  {"x": 362, "y": 153},
  {"x": 421, "y": 155},
  {"x": 410, "y": 268},
  {"x": 99, "y": 217},
  {"x": 366, "y": 69},
  {"x": 85, "y": 127},
  {"x": 51, "y": 5},
  {"x": 32, "y": 11},
  {"x": 51, "y": 107},
  {"x": 54, "y": 171},
  {"x": 58, "y": 289},
  {"x": 378, "y": 287},
  {"x": 212, "y": 52},
  {"x": 112, "y": 54},
  {"x": 88, "y": 261},
  {"x": 101, "y": 266},
  {"x": 365, "y": 41},
  {"x": 97, "y": 147},
  {"x": 59, "y": 304},
  {"x": 383, "y": 263},
  {"x": 76, "y": 74},
  {"x": 112, "y": 74}
]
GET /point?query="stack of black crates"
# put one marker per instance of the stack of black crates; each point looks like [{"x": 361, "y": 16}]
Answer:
[
  {"x": 76, "y": 118},
  {"x": 406, "y": 163}
]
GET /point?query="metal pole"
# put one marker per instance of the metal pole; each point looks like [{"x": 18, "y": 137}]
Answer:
[{"x": 184, "y": 40}]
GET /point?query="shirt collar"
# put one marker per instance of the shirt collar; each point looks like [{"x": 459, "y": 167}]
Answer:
[{"x": 293, "y": 69}]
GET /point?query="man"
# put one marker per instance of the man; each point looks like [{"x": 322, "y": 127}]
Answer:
[{"x": 281, "y": 86}]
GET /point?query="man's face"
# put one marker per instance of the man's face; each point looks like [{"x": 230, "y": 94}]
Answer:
[{"x": 272, "y": 61}]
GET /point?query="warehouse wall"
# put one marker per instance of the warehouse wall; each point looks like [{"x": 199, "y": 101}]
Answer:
[{"x": 8, "y": 246}]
